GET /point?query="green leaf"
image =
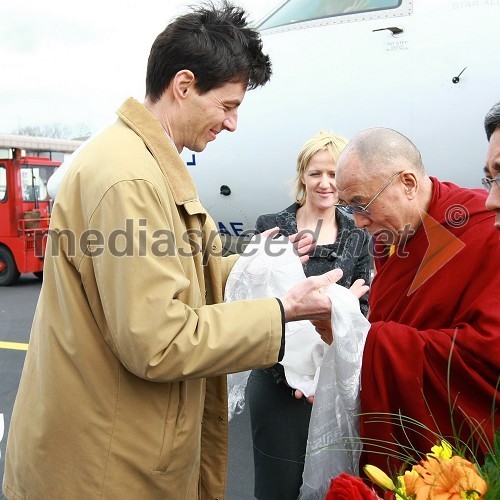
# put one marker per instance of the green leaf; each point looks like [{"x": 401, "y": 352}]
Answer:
[{"x": 491, "y": 470}]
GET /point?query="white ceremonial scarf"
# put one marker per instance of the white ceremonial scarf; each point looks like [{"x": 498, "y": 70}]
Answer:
[{"x": 330, "y": 373}]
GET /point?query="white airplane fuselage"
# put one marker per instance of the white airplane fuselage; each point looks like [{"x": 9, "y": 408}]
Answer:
[{"x": 434, "y": 82}]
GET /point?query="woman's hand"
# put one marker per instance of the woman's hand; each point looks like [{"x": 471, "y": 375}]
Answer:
[
  {"x": 299, "y": 394},
  {"x": 303, "y": 242}
]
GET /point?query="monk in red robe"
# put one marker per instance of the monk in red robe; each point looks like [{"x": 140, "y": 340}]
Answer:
[{"x": 431, "y": 363}]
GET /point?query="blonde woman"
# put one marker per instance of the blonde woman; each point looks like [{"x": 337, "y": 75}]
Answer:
[{"x": 279, "y": 420}]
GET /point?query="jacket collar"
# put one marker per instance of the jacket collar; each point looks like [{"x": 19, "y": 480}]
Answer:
[
  {"x": 345, "y": 222},
  {"x": 148, "y": 128}
]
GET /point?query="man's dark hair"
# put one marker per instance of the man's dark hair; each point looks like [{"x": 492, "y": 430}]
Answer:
[
  {"x": 492, "y": 120},
  {"x": 215, "y": 43}
]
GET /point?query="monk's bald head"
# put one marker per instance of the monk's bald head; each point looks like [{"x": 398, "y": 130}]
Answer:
[
  {"x": 381, "y": 151},
  {"x": 380, "y": 176}
]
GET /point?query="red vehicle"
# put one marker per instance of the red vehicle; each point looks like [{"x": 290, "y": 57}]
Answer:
[
  {"x": 24, "y": 215},
  {"x": 25, "y": 207}
]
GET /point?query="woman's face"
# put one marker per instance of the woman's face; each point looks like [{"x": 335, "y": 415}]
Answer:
[{"x": 319, "y": 181}]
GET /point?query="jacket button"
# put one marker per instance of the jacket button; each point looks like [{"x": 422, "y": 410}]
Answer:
[{"x": 220, "y": 419}]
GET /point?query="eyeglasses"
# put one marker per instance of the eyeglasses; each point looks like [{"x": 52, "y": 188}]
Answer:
[
  {"x": 487, "y": 182},
  {"x": 358, "y": 209}
]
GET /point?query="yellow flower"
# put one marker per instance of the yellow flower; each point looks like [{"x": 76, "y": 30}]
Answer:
[
  {"x": 469, "y": 496},
  {"x": 379, "y": 477},
  {"x": 453, "y": 479},
  {"x": 444, "y": 451}
]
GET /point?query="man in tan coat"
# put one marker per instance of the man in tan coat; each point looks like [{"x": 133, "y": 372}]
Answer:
[{"x": 123, "y": 393}]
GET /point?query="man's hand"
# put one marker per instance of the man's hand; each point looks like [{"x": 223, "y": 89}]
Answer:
[
  {"x": 324, "y": 327},
  {"x": 305, "y": 300}
]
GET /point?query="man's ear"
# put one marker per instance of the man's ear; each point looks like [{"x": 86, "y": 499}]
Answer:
[
  {"x": 410, "y": 182},
  {"x": 183, "y": 83}
]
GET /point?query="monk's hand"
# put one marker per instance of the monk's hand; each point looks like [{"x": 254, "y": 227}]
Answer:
[
  {"x": 358, "y": 288},
  {"x": 306, "y": 300},
  {"x": 299, "y": 395},
  {"x": 303, "y": 243},
  {"x": 324, "y": 327}
]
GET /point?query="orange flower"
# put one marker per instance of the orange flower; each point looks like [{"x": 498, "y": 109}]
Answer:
[
  {"x": 441, "y": 479},
  {"x": 409, "y": 480}
]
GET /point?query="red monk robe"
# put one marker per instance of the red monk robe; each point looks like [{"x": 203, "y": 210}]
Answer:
[{"x": 421, "y": 309}]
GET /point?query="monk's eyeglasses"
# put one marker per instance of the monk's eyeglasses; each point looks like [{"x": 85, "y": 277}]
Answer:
[
  {"x": 364, "y": 210},
  {"x": 487, "y": 182}
]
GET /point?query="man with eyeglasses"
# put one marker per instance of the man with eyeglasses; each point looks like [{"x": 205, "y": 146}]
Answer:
[
  {"x": 432, "y": 353},
  {"x": 492, "y": 181}
]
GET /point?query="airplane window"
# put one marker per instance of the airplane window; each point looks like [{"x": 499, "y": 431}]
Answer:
[{"x": 297, "y": 11}]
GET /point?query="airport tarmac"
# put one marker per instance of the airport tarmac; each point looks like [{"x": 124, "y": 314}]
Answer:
[{"x": 17, "y": 306}]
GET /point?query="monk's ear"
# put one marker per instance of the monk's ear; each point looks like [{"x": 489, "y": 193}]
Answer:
[
  {"x": 182, "y": 83},
  {"x": 410, "y": 183}
]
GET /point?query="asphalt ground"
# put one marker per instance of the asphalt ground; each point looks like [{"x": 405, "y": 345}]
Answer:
[{"x": 17, "y": 306}]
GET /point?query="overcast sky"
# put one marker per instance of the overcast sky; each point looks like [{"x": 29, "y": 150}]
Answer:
[{"x": 73, "y": 63}]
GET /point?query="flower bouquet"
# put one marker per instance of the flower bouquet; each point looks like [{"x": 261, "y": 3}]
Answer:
[{"x": 443, "y": 475}]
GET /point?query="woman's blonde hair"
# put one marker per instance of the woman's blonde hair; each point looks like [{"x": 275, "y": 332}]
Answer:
[{"x": 324, "y": 141}]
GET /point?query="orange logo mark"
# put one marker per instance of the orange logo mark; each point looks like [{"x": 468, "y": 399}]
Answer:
[{"x": 443, "y": 246}]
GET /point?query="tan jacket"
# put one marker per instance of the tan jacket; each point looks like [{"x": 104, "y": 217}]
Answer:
[{"x": 113, "y": 401}]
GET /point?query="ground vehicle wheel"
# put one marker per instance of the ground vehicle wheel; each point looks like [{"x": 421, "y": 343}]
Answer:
[
  {"x": 8, "y": 269},
  {"x": 39, "y": 275}
]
